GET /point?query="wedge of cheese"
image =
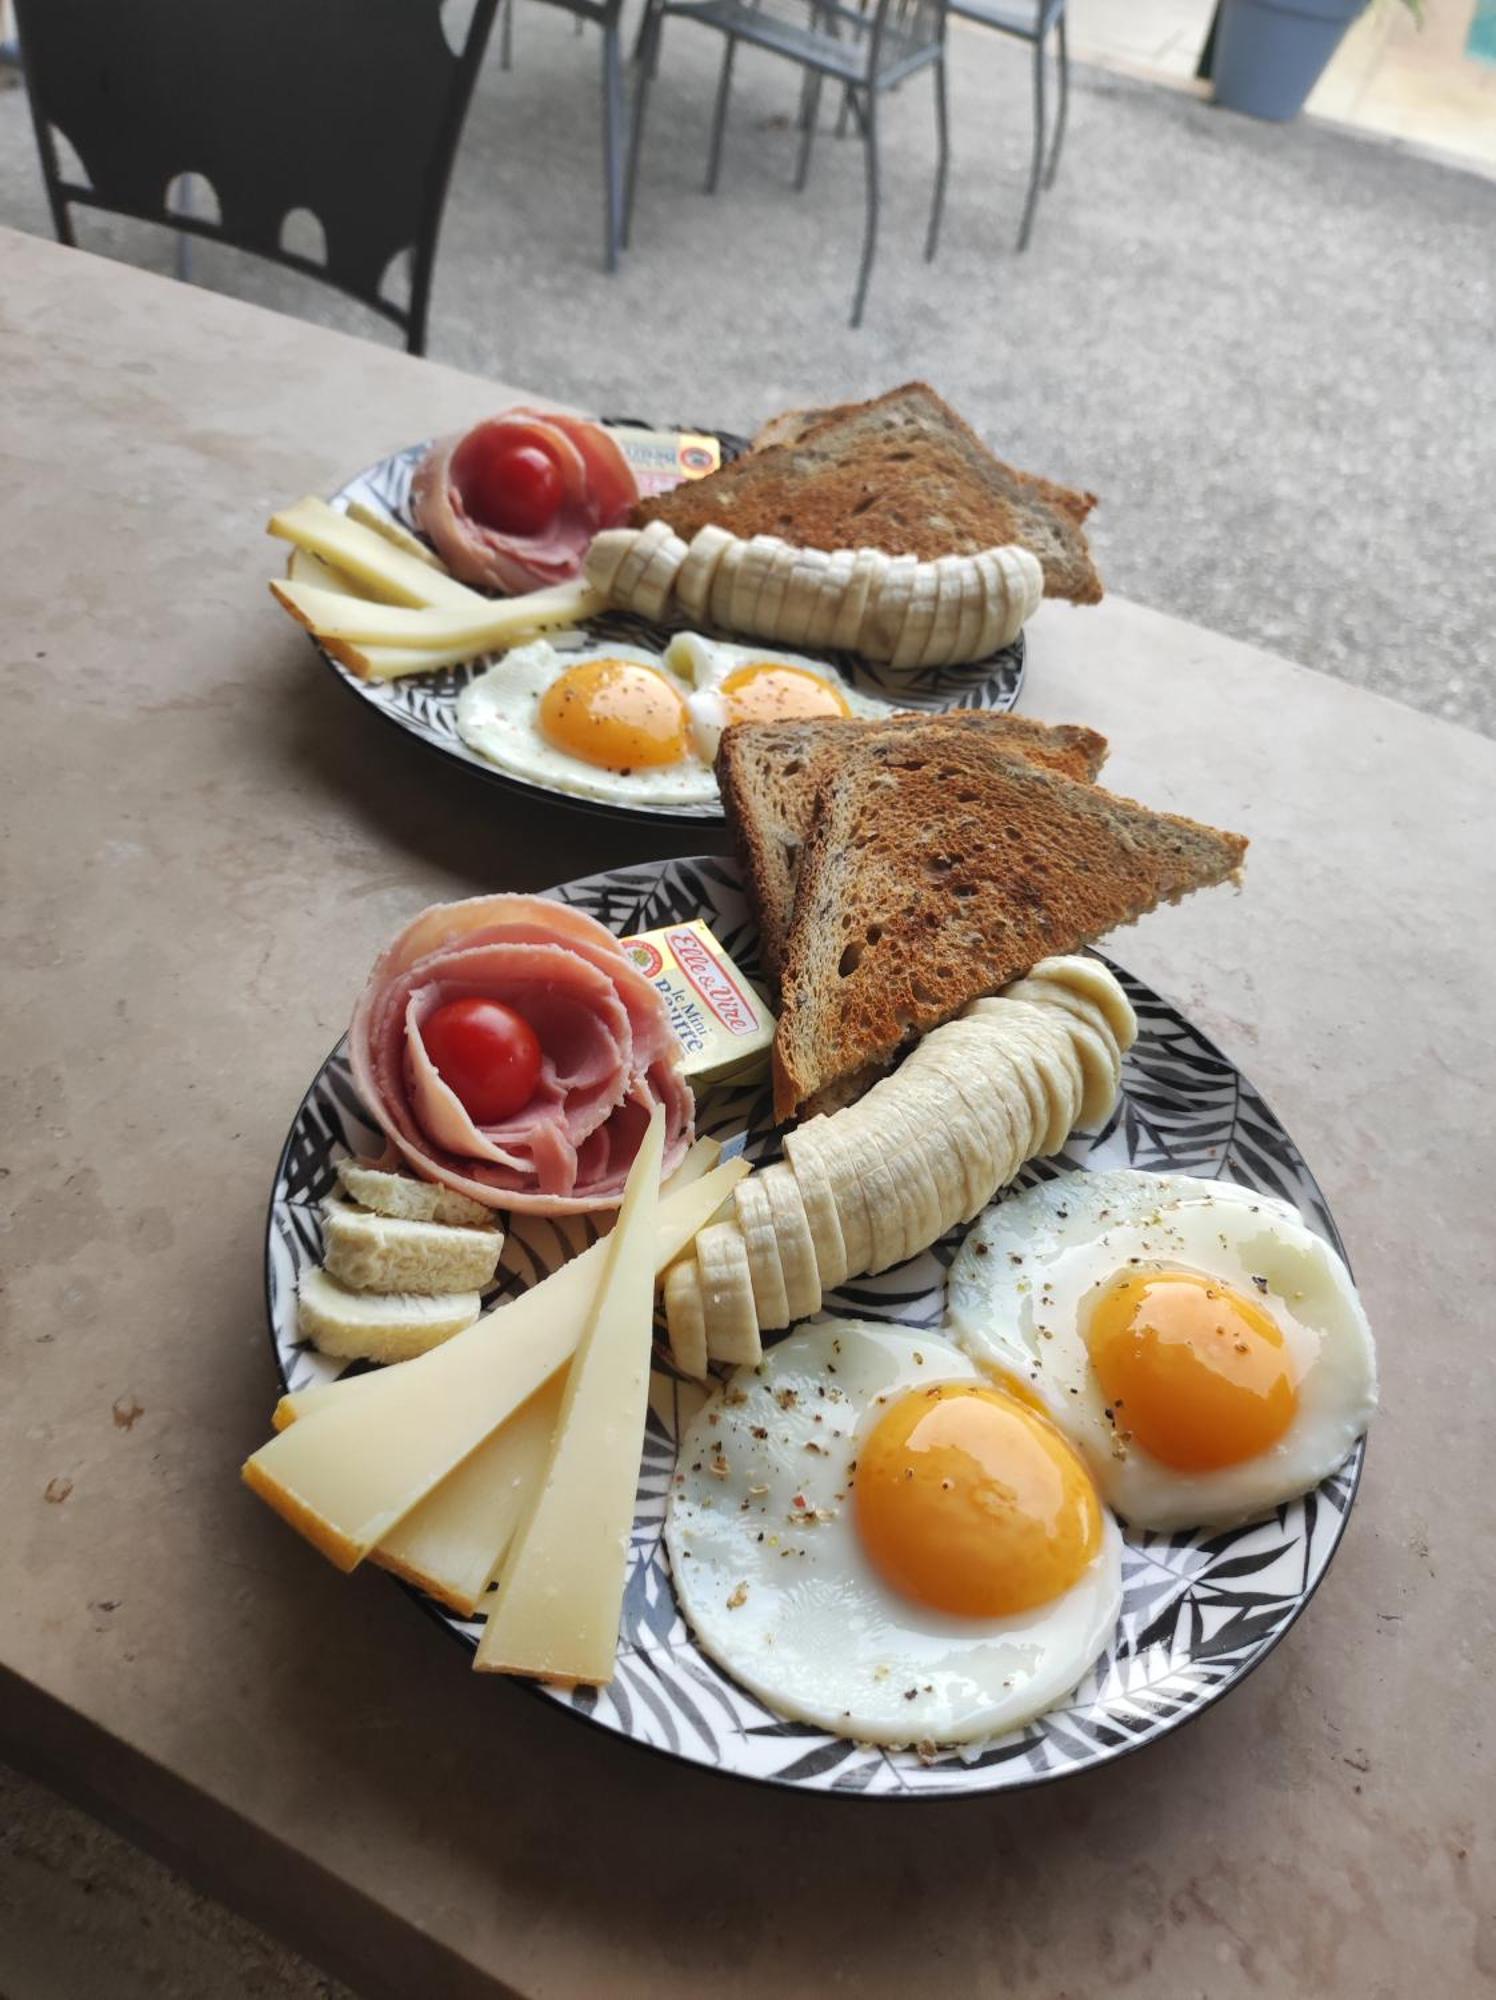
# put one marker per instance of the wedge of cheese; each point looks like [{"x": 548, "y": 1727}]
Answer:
[
  {"x": 371, "y": 558},
  {"x": 561, "y": 1591},
  {"x": 452, "y": 1544},
  {"x": 481, "y": 626},
  {"x": 374, "y": 1447}
]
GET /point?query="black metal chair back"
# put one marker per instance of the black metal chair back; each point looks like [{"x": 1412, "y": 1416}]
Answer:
[{"x": 348, "y": 108}]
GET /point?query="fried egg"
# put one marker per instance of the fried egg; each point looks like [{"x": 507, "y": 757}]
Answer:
[
  {"x": 610, "y": 722},
  {"x": 874, "y": 1540},
  {"x": 754, "y": 684},
  {"x": 1203, "y": 1350}
]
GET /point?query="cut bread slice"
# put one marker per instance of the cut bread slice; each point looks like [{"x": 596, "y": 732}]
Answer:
[
  {"x": 408, "y": 1199},
  {"x": 771, "y": 772},
  {"x": 902, "y": 473},
  {"x": 938, "y": 869},
  {"x": 383, "y": 1253},
  {"x": 378, "y": 1326}
]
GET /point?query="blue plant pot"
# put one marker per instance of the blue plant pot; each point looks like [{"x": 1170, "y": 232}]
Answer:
[{"x": 1269, "y": 54}]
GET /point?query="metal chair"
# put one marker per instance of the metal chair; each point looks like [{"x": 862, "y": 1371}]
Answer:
[
  {"x": 348, "y": 108},
  {"x": 608, "y": 14},
  {"x": 1032, "y": 24},
  {"x": 867, "y": 51}
]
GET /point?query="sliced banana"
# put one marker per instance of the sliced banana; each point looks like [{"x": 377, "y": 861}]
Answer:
[
  {"x": 832, "y": 1264},
  {"x": 832, "y": 585},
  {"x": 652, "y": 591},
  {"x": 727, "y": 1295},
  {"x": 759, "y": 559},
  {"x": 693, "y": 582},
  {"x": 943, "y": 648},
  {"x": 768, "y": 620},
  {"x": 868, "y": 567},
  {"x": 797, "y": 1250},
  {"x": 761, "y": 1242},
  {"x": 918, "y": 623},
  {"x": 800, "y": 605},
  {"x": 652, "y": 537},
  {"x": 1090, "y": 976},
  {"x": 887, "y": 607},
  {"x": 1086, "y": 1025},
  {"x": 973, "y": 610},
  {"x": 898, "y": 1186},
  {"x": 685, "y": 1318},
  {"x": 725, "y": 582},
  {"x": 605, "y": 556}
]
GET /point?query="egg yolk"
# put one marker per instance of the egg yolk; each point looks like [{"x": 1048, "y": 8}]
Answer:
[
  {"x": 971, "y": 1503},
  {"x": 769, "y": 691},
  {"x": 616, "y": 713},
  {"x": 1196, "y": 1373}
]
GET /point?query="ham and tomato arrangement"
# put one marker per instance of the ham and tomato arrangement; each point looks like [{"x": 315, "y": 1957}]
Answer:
[{"x": 511, "y": 1050}]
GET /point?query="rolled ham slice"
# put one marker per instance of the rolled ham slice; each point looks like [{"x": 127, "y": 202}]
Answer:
[
  {"x": 598, "y": 489},
  {"x": 608, "y": 1055}
]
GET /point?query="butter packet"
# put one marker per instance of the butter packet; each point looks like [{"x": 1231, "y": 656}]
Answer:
[
  {"x": 662, "y": 459},
  {"x": 719, "y": 1019}
]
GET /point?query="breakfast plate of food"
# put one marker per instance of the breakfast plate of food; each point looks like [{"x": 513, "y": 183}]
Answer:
[
  {"x": 811, "y": 1314},
  {"x": 579, "y": 607}
]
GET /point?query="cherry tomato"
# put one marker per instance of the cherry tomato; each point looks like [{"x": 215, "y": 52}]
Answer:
[
  {"x": 508, "y": 485},
  {"x": 486, "y": 1054}
]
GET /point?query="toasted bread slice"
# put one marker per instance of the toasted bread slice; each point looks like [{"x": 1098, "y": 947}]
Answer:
[
  {"x": 938, "y": 869},
  {"x": 902, "y": 473},
  {"x": 770, "y": 773}
]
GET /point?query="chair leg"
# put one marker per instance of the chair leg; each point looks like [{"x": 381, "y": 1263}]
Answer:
[
  {"x": 841, "y": 116},
  {"x": 613, "y": 136},
  {"x": 646, "y": 53},
  {"x": 506, "y": 37},
  {"x": 868, "y": 119},
  {"x": 942, "y": 158},
  {"x": 810, "y": 111},
  {"x": 1037, "y": 165},
  {"x": 1059, "y": 123},
  {"x": 719, "y": 120}
]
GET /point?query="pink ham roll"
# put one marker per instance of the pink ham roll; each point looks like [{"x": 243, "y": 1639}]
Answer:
[
  {"x": 608, "y": 1055},
  {"x": 597, "y": 490}
]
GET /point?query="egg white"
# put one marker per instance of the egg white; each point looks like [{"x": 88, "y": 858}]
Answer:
[
  {"x": 1023, "y": 1283},
  {"x": 706, "y": 663},
  {"x": 772, "y": 1579},
  {"x": 496, "y": 717}
]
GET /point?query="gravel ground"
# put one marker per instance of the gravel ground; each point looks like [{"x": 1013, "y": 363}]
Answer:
[{"x": 1268, "y": 349}]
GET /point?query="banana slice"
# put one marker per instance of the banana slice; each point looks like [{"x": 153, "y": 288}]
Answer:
[
  {"x": 832, "y": 585},
  {"x": 824, "y": 1139},
  {"x": 983, "y": 1121},
  {"x": 652, "y": 591},
  {"x": 942, "y": 648},
  {"x": 761, "y": 1242},
  {"x": 868, "y": 567},
  {"x": 918, "y": 625},
  {"x": 1090, "y": 976},
  {"x": 832, "y": 1264},
  {"x": 684, "y": 1317},
  {"x": 651, "y": 538},
  {"x": 725, "y": 582},
  {"x": 727, "y": 1295},
  {"x": 797, "y": 1250},
  {"x": 693, "y": 584},
  {"x": 1016, "y": 1072},
  {"x": 924, "y": 1109},
  {"x": 1052, "y": 1058},
  {"x": 1100, "y": 1061},
  {"x": 883, "y": 1195},
  {"x": 973, "y": 609},
  {"x": 900, "y": 1194},
  {"x": 605, "y": 556},
  {"x": 753, "y": 572},
  {"x": 887, "y": 607},
  {"x": 768, "y": 612},
  {"x": 801, "y": 602}
]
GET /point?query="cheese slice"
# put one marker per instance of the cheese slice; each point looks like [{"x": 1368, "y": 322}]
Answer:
[
  {"x": 561, "y": 1592},
  {"x": 302, "y": 567},
  {"x": 454, "y": 1541},
  {"x": 377, "y": 564},
  {"x": 375, "y": 1446},
  {"x": 394, "y": 533},
  {"x": 482, "y": 626}
]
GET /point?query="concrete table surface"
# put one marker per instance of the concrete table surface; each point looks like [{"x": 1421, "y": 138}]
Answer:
[{"x": 206, "y": 841}]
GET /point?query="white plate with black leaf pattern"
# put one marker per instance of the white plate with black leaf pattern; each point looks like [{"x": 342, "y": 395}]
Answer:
[
  {"x": 425, "y": 705},
  {"x": 1200, "y": 1610}
]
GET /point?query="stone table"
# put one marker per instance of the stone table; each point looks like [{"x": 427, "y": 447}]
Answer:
[{"x": 207, "y": 841}]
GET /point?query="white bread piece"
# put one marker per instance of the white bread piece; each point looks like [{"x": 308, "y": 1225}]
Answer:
[
  {"x": 408, "y": 1199},
  {"x": 382, "y": 1253},
  {"x": 378, "y": 1326}
]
